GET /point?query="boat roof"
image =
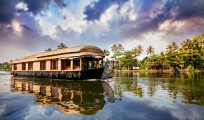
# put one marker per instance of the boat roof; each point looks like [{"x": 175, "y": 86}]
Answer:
[{"x": 74, "y": 51}]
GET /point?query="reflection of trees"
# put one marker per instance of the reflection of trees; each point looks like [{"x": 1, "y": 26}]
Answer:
[
  {"x": 127, "y": 85},
  {"x": 139, "y": 91},
  {"x": 151, "y": 90},
  {"x": 186, "y": 88},
  {"x": 118, "y": 91},
  {"x": 151, "y": 87}
]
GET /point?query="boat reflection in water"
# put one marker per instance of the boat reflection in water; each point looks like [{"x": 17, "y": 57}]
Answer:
[{"x": 71, "y": 97}]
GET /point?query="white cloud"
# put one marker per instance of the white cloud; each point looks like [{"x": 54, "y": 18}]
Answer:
[
  {"x": 128, "y": 9},
  {"x": 17, "y": 29},
  {"x": 150, "y": 38},
  {"x": 22, "y": 6}
]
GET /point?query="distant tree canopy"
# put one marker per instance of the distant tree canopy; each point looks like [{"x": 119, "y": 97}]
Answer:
[
  {"x": 5, "y": 66},
  {"x": 189, "y": 55},
  {"x": 61, "y": 46},
  {"x": 106, "y": 52},
  {"x": 49, "y": 49}
]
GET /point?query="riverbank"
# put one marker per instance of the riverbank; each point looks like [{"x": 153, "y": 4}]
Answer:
[
  {"x": 158, "y": 71},
  {"x": 5, "y": 72}
]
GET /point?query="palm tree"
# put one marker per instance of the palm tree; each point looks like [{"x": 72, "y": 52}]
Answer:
[
  {"x": 61, "y": 46},
  {"x": 140, "y": 49},
  {"x": 150, "y": 50},
  {"x": 185, "y": 45},
  {"x": 175, "y": 46},
  {"x": 120, "y": 48},
  {"x": 135, "y": 51},
  {"x": 114, "y": 48},
  {"x": 49, "y": 49},
  {"x": 162, "y": 53},
  {"x": 169, "y": 48},
  {"x": 106, "y": 52}
]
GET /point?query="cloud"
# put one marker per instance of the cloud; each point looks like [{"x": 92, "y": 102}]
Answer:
[
  {"x": 185, "y": 9},
  {"x": 23, "y": 37},
  {"x": 22, "y": 6},
  {"x": 65, "y": 35},
  {"x": 61, "y": 3},
  {"x": 97, "y": 8},
  {"x": 37, "y": 6},
  {"x": 149, "y": 15},
  {"x": 7, "y": 11},
  {"x": 20, "y": 31}
]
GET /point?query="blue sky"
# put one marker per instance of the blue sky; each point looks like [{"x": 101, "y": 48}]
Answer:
[{"x": 31, "y": 26}]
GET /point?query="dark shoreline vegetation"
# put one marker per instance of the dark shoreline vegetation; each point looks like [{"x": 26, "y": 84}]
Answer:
[{"x": 189, "y": 56}]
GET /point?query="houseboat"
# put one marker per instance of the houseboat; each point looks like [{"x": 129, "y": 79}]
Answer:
[{"x": 78, "y": 62}]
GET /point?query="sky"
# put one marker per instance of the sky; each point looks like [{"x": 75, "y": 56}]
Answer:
[{"x": 32, "y": 26}]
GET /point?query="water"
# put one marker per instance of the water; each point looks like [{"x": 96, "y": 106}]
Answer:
[{"x": 127, "y": 95}]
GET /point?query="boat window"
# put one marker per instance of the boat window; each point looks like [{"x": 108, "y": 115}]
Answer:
[
  {"x": 15, "y": 66},
  {"x": 85, "y": 65},
  {"x": 30, "y": 66},
  {"x": 91, "y": 64},
  {"x": 42, "y": 65},
  {"x": 54, "y": 65},
  {"x": 76, "y": 64},
  {"x": 23, "y": 66},
  {"x": 66, "y": 64}
]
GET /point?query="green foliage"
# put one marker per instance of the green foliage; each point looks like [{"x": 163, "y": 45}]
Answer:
[
  {"x": 5, "y": 66},
  {"x": 117, "y": 48},
  {"x": 61, "y": 46},
  {"x": 106, "y": 52},
  {"x": 189, "y": 55},
  {"x": 49, "y": 49}
]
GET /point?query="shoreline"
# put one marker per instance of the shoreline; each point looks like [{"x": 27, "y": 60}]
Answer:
[{"x": 156, "y": 71}]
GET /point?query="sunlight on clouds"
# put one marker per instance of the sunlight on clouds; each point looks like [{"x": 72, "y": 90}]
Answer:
[
  {"x": 74, "y": 22},
  {"x": 108, "y": 15},
  {"x": 22, "y": 6},
  {"x": 169, "y": 25},
  {"x": 128, "y": 9},
  {"x": 150, "y": 38},
  {"x": 16, "y": 27}
]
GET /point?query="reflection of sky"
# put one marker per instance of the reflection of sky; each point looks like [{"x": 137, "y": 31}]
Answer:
[{"x": 21, "y": 106}]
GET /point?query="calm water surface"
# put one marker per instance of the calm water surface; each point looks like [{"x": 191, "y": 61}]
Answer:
[{"x": 126, "y": 96}]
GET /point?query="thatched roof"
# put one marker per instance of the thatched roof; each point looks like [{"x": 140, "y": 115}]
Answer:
[{"x": 74, "y": 51}]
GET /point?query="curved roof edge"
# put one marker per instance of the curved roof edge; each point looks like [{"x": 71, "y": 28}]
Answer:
[{"x": 69, "y": 50}]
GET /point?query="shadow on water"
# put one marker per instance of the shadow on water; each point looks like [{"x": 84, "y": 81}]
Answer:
[{"x": 71, "y": 97}]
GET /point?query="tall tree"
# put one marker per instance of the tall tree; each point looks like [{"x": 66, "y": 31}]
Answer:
[
  {"x": 173, "y": 47},
  {"x": 61, "y": 46},
  {"x": 120, "y": 48},
  {"x": 185, "y": 45},
  {"x": 106, "y": 52},
  {"x": 114, "y": 48},
  {"x": 150, "y": 50},
  {"x": 140, "y": 49}
]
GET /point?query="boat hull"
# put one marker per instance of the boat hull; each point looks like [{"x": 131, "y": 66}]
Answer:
[{"x": 85, "y": 74}]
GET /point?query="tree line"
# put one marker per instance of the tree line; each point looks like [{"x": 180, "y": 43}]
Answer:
[
  {"x": 188, "y": 55},
  {"x": 5, "y": 66}
]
